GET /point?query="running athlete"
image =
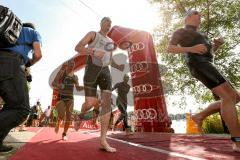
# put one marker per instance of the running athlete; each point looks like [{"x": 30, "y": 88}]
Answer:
[
  {"x": 122, "y": 90},
  {"x": 99, "y": 47},
  {"x": 198, "y": 56},
  {"x": 65, "y": 104}
]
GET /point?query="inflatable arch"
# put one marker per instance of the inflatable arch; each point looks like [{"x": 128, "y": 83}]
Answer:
[{"x": 148, "y": 97}]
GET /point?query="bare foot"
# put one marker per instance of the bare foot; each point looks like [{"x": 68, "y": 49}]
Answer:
[
  {"x": 128, "y": 132},
  {"x": 105, "y": 146},
  {"x": 236, "y": 147},
  {"x": 198, "y": 120}
]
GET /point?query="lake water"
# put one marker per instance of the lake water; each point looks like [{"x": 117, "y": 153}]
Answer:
[{"x": 179, "y": 126}]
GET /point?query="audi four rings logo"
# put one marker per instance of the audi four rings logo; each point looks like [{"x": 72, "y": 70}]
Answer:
[
  {"x": 143, "y": 88},
  {"x": 139, "y": 67},
  {"x": 145, "y": 114},
  {"x": 136, "y": 47}
]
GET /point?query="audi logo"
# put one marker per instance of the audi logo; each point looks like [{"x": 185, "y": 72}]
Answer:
[
  {"x": 145, "y": 114},
  {"x": 143, "y": 88},
  {"x": 139, "y": 67},
  {"x": 136, "y": 47}
]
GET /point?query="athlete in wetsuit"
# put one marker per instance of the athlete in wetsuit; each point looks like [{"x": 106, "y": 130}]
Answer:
[
  {"x": 68, "y": 80},
  {"x": 122, "y": 90},
  {"x": 198, "y": 56}
]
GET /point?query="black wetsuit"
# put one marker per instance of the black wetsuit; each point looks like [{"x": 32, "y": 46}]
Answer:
[
  {"x": 122, "y": 90},
  {"x": 67, "y": 86},
  {"x": 200, "y": 66}
]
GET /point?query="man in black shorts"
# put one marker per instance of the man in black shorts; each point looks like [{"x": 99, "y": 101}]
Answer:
[
  {"x": 198, "y": 56},
  {"x": 122, "y": 90},
  {"x": 99, "y": 48}
]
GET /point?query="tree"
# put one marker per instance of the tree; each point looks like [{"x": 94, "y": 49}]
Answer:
[{"x": 220, "y": 17}]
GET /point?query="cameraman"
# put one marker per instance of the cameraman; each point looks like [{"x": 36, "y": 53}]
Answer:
[{"x": 13, "y": 83}]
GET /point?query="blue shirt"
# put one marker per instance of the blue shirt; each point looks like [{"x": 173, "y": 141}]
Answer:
[{"x": 27, "y": 36}]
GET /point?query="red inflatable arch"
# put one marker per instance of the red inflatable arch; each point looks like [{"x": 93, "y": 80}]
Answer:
[{"x": 149, "y": 102}]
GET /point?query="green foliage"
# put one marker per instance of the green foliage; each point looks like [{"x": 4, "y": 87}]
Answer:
[
  {"x": 219, "y": 17},
  {"x": 213, "y": 124}
]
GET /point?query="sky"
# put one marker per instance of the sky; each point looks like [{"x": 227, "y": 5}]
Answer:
[{"x": 62, "y": 23}]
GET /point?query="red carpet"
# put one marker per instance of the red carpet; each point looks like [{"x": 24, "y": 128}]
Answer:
[
  {"x": 198, "y": 146},
  {"x": 46, "y": 145}
]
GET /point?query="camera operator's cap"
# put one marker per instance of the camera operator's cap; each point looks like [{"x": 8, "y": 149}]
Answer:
[{"x": 191, "y": 12}]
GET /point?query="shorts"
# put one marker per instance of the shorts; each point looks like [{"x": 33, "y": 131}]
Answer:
[
  {"x": 94, "y": 76},
  {"x": 206, "y": 72},
  {"x": 64, "y": 107}
]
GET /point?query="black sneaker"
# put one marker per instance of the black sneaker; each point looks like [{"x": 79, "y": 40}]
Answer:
[{"x": 5, "y": 149}]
